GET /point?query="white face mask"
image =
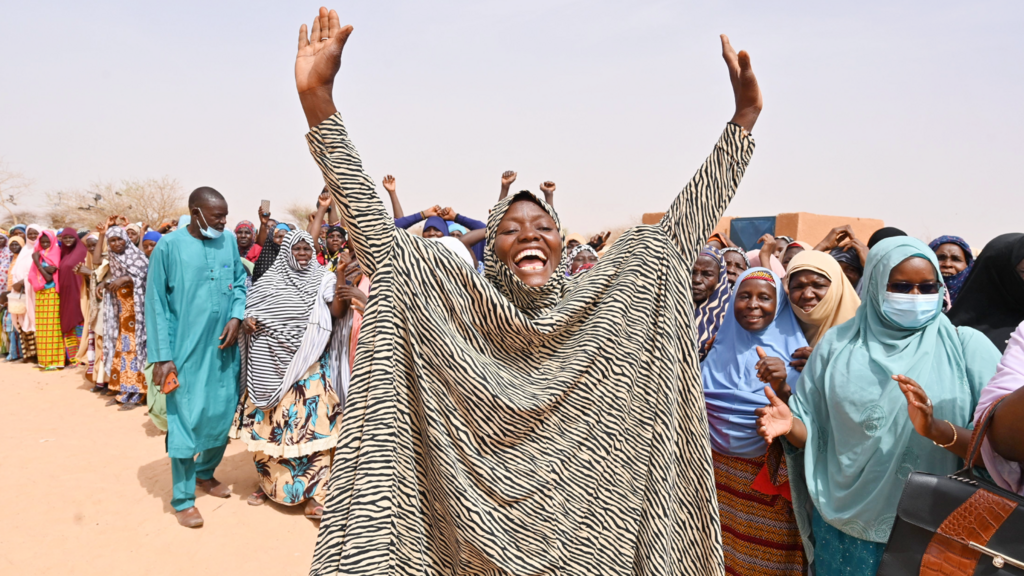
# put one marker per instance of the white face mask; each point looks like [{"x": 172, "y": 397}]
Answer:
[
  {"x": 206, "y": 230},
  {"x": 910, "y": 311}
]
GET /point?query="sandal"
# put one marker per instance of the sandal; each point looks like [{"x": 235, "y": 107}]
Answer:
[
  {"x": 111, "y": 402},
  {"x": 98, "y": 388},
  {"x": 317, "y": 512},
  {"x": 128, "y": 406},
  {"x": 257, "y": 498}
]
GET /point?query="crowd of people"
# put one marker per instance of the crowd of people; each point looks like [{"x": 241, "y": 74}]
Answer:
[{"x": 504, "y": 396}]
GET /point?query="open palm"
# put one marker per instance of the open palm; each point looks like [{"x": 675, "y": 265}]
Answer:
[
  {"x": 744, "y": 85},
  {"x": 775, "y": 419},
  {"x": 319, "y": 56}
]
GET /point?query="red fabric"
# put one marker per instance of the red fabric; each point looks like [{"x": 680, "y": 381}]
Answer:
[
  {"x": 69, "y": 285},
  {"x": 253, "y": 253},
  {"x": 763, "y": 484}
]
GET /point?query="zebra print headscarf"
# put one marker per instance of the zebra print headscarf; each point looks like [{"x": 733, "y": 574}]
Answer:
[{"x": 291, "y": 331}]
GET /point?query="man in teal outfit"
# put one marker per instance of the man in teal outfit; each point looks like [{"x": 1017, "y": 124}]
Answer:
[{"x": 195, "y": 300}]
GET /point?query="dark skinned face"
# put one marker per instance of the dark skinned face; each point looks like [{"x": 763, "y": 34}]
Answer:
[
  {"x": 528, "y": 242},
  {"x": 755, "y": 305},
  {"x": 68, "y": 241},
  {"x": 583, "y": 258},
  {"x": 704, "y": 278},
  {"x": 791, "y": 251},
  {"x": 571, "y": 244},
  {"x": 32, "y": 235},
  {"x": 147, "y": 247},
  {"x": 915, "y": 270},
  {"x": 117, "y": 245},
  {"x": 44, "y": 242},
  {"x": 244, "y": 237},
  {"x": 852, "y": 274},
  {"x": 132, "y": 235},
  {"x": 734, "y": 266},
  {"x": 334, "y": 242},
  {"x": 15, "y": 248},
  {"x": 455, "y": 233},
  {"x": 91, "y": 243},
  {"x": 279, "y": 236},
  {"x": 807, "y": 288},
  {"x": 1020, "y": 269},
  {"x": 214, "y": 212},
  {"x": 432, "y": 233},
  {"x": 716, "y": 244},
  {"x": 780, "y": 248},
  {"x": 952, "y": 259},
  {"x": 303, "y": 253}
]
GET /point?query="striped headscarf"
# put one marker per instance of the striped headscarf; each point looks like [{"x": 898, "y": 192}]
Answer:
[
  {"x": 708, "y": 314},
  {"x": 291, "y": 328}
]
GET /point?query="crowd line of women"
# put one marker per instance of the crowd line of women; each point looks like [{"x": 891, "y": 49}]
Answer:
[{"x": 832, "y": 374}]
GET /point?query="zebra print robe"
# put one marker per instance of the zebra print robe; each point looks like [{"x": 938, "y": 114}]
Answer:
[{"x": 495, "y": 428}]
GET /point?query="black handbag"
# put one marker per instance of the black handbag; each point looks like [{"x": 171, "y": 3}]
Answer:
[{"x": 956, "y": 525}]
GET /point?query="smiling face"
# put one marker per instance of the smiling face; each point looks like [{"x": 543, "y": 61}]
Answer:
[
  {"x": 68, "y": 240},
  {"x": 15, "y": 247},
  {"x": 32, "y": 235},
  {"x": 303, "y": 253},
  {"x": 528, "y": 242},
  {"x": 952, "y": 259},
  {"x": 116, "y": 245},
  {"x": 755, "y": 304},
  {"x": 734, "y": 265},
  {"x": 807, "y": 288},
  {"x": 704, "y": 278}
]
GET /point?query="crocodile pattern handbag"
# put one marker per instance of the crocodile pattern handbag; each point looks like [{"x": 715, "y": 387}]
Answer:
[{"x": 957, "y": 525}]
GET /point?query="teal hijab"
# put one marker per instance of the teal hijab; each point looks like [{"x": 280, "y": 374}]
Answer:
[{"x": 861, "y": 445}]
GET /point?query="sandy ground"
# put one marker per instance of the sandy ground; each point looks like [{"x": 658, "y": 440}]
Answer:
[{"x": 88, "y": 491}]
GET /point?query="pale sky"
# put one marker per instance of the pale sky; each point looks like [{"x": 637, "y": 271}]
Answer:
[{"x": 904, "y": 111}]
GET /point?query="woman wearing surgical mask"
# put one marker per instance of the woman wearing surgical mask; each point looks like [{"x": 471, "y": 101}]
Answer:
[{"x": 850, "y": 444}]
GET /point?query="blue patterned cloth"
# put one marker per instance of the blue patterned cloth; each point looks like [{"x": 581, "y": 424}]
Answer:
[{"x": 839, "y": 554}]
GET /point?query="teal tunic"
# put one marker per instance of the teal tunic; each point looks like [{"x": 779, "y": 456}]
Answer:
[{"x": 194, "y": 288}]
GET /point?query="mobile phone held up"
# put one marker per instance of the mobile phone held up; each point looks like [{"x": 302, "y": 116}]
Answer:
[{"x": 265, "y": 207}]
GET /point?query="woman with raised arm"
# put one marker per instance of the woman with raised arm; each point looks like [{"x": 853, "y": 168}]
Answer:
[{"x": 507, "y": 423}]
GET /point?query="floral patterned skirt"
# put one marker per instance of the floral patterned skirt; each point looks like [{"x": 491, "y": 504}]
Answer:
[
  {"x": 127, "y": 374},
  {"x": 293, "y": 442}
]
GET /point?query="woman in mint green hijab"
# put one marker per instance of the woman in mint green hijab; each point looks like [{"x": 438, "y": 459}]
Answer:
[{"x": 848, "y": 428}]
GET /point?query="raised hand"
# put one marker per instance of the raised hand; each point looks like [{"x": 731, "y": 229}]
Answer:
[
  {"x": 744, "y": 86},
  {"x": 447, "y": 214},
  {"x": 317, "y": 63},
  {"x": 597, "y": 241},
  {"x": 547, "y": 187},
  {"x": 507, "y": 178},
  {"x": 432, "y": 211},
  {"x": 775, "y": 419},
  {"x": 768, "y": 247},
  {"x": 834, "y": 237},
  {"x": 853, "y": 243},
  {"x": 389, "y": 184}
]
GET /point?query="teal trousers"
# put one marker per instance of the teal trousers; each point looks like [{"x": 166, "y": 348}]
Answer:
[{"x": 184, "y": 472}]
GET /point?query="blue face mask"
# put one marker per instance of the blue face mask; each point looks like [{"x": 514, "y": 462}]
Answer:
[
  {"x": 205, "y": 230},
  {"x": 910, "y": 311}
]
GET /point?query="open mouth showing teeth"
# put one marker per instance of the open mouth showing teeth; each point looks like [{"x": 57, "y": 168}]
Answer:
[{"x": 531, "y": 259}]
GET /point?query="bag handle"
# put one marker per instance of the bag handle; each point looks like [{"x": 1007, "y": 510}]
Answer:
[{"x": 978, "y": 436}]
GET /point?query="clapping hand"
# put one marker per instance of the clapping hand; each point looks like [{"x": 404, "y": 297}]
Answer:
[{"x": 775, "y": 419}]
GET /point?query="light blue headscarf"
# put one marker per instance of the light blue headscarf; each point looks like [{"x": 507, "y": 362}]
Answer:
[
  {"x": 861, "y": 445},
  {"x": 731, "y": 389}
]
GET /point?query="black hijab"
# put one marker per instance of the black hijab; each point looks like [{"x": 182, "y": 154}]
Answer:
[
  {"x": 992, "y": 299},
  {"x": 882, "y": 234}
]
